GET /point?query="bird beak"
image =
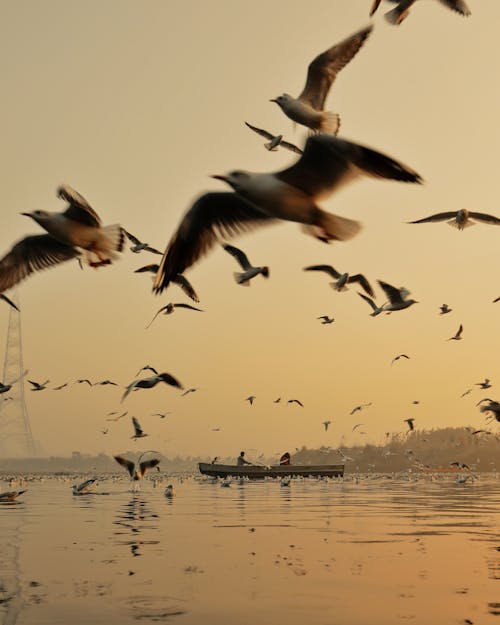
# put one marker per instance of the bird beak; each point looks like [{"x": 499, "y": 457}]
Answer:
[
  {"x": 218, "y": 177},
  {"x": 26, "y": 214},
  {"x": 274, "y": 100}
]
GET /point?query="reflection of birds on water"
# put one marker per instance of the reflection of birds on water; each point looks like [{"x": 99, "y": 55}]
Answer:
[
  {"x": 151, "y": 382},
  {"x": 249, "y": 271},
  {"x": 410, "y": 423},
  {"x": 458, "y": 335},
  {"x": 274, "y": 140},
  {"x": 342, "y": 279},
  {"x": 401, "y": 11},
  {"x": 85, "y": 488},
  {"x": 308, "y": 108},
  {"x": 10, "y": 496},
  {"x": 460, "y": 219},
  {"x": 290, "y": 195}
]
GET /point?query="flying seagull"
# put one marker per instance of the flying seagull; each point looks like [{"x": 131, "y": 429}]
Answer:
[
  {"x": 138, "y": 431},
  {"x": 342, "y": 279},
  {"x": 497, "y": 299},
  {"x": 398, "y": 298},
  {"x": 162, "y": 415},
  {"x": 37, "y": 386},
  {"x": 290, "y": 195},
  {"x": 410, "y": 423},
  {"x": 396, "y": 358},
  {"x": 376, "y": 310},
  {"x": 180, "y": 280},
  {"x": 147, "y": 368},
  {"x": 105, "y": 383},
  {"x": 444, "y": 309},
  {"x": 360, "y": 407},
  {"x": 469, "y": 390},
  {"x": 325, "y": 319},
  {"x": 460, "y": 219},
  {"x": 5, "y": 388},
  {"x": 295, "y": 401},
  {"x": 308, "y": 108},
  {"x": 77, "y": 229},
  {"x": 249, "y": 271},
  {"x": 120, "y": 416},
  {"x": 326, "y": 424},
  {"x": 274, "y": 140},
  {"x": 402, "y": 10},
  {"x": 484, "y": 385},
  {"x": 151, "y": 382},
  {"x": 137, "y": 469},
  {"x": 250, "y": 399},
  {"x": 9, "y": 301},
  {"x": 493, "y": 407},
  {"x": 169, "y": 308},
  {"x": 458, "y": 335},
  {"x": 139, "y": 246},
  {"x": 189, "y": 390},
  {"x": 83, "y": 381},
  {"x": 60, "y": 387}
]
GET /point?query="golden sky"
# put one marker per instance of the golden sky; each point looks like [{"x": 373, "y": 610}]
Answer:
[{"x": 135, "y": 104}]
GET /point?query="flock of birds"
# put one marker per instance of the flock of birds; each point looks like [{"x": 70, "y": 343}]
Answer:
[{"x": 324, "y": 164}]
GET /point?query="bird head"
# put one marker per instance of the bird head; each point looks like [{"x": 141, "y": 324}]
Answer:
[
  {"x": 235, "y": 179},
  {"x": 40, "y": 217},
  {"x": 283, "y": 100}
]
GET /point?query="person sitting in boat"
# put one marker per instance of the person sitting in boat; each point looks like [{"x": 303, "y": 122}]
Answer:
[
  {"x": 285, "y": 459},
  {"x": 242, "y": 460}
]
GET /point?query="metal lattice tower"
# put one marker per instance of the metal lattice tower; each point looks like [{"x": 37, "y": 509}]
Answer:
[{"x": 16, "y": 439}]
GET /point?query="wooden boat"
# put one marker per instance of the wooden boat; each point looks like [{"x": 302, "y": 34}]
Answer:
[{"x": 256, "y": 472}]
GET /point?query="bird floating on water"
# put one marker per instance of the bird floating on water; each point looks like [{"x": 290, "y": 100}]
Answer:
[
  {"x": 289, "y": 195},
  {"x": 401, "y": 11},
  {"x": 85, "y": 488},
  {"x": 151, "y": 382},
  {"x": 342, "y": 279},
  {"x": 274, "y": 140},
  {"x": 138, "y": 431},
  {"x": 71, "y": 233},
  {"x": 10, "y": 496},
  {"x": 169, "y": 491},
  {"x": 249, "y": 271},
  {"x": 460, "y": 219},
  {"x": 308, "y": 108}
]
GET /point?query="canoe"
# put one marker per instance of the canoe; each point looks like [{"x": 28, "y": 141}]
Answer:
[{"x": 255, "y": 472}]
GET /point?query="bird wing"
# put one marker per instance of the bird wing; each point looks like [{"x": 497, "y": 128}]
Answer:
[
  {"x": 129, "y": 389},
  {"x": 323, "y": 70},
  {"x": 169, "y": 379},
  {"x": 457, "y": 5},
  {"x": 363, "y": 282},
  {"x": 213, "y": 215},
  {"x": 490, "y": 219},
  {"x": 35, "y": 384},
  {"x": 185, "y": 285},
  {"x": 291, "y": 146},
  {"x": 9, "y": 301},
  {"x": 152, "y": 250},
  {"x": 393, "y": 293},
  {"x": 326, "y": 268},
  {"x": 147, "y": 464},
  {"x": 374, "y": 7},
  {"x": 147, "y": 268},
  {"x": 125, "y": 463},
  {"x": 460, "y": 330},
  {"x": 240, "y": 256},
  {"x": 137, "y": 427},
  {"x": 131, "y": 238},
  {"x": 436, "y": 217},
  {"x": 260, "y": 131},
  {"x": 369, "y": 300},
  {"x": 79, "y": 209},
  {"x": 160, "y": 311},
  {"x": 188, "y": 306},
  {"x": 33, "y": 253},
  {"x": 327, "y": 162}
]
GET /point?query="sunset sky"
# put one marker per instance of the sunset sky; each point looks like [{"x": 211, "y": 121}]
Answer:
[{"x": 136, "y": 104}]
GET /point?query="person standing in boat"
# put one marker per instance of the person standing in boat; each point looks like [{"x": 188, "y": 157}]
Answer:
[
  {"x": 241, "y": 460},
  {"x": 285, "y": 459}
]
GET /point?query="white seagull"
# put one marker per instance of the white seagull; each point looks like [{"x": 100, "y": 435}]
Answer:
[
  {"x": 137, "y": 469},
  {"x": 274, "y": 140},
  {"x": 325, "y": 319},
  {"x": 342, "y": 279},
  {"x": 402, "y": 10},
  {"x": 169, "y": 308},
  {"x": 75, "y": 231},
  {"x": 398, "y": 298},
  {"x": 151, "y": 382},
  {"x": 291, "y": 195},
  {"x": 308, "y": 108},
  {"x": 460, "y": 219},
  {"x": 249, "y": 271}
]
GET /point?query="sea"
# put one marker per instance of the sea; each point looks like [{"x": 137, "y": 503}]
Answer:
[{"x": 375, "y": 549}]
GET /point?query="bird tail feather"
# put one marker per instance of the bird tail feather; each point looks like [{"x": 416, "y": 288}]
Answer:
[
  {"x": 328, "y": 227},
  {"x": 330, "y": 123}
]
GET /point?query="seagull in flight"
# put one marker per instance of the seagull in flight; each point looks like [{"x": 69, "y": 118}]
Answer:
[
  {"x": 458, "y": 335},
  {"x": 342, "y": 279},
  {"x": 151, "y": 382},
  {"x": 410, "y": 422},
  {"x": 469, "y": 390},
  {"x": 37, "y": 386},
  {"x": 162, "y": 415},
  {"x": 396, "y": 358},
  {"x": 274, "y": 140},
  {"x": 250, "y": 399},
  {"x": 401, "y": 11},
  {"x": 60, "y": 387},
  {"x": 290, "y": 195},
  {"x": 123, "y": 414},
  {"x": 295, "y": 401},
  {"x": 180, "y": 280},
  {"x": 75, "y": 231},
  {"x": 326, "y": 424},
  {"x": 444, "y": 309},
  {"x": 360, "y": 407},
  {"x": 497, "y": 299},
  {"x": 147, "y": 368},
  {"x": 460, "y": 219},
  {"x": 325, "y": 319},
  {"x": 249, "y": 271},
  {"x": 398, "y": 298},
  {"x": 308, "y": 108},
  {"x": 136, "y": 470},
  {"x": 189, "y": 390},
  {"x": 138, "y": 431},
  {"x": 169, "y": 308},
  {"x": 83, "y": 381},
  {"x": 484, "y": 385},
  {"x": 139, "y": 246},
  {"x": 376, "y": 310},
  {"x": 9, "y": 301},
  {"x": 493, "y": 407}
]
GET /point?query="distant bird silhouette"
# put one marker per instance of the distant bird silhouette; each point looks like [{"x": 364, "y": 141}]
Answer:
[
  {"x": 105, "y": 383},
  {"x": 151, "y": 382},
  {"x": 360, "y": 407},
  {"x": 458, "y": 335},
  {"x": 188, "y": 391},
  {"x": 277, "y": 400},
  {"x": 179, "y": 279},
  {"x": 37, "y": 386},
  {"x": 484, "y": 385},
  {"x": 169, "y": 308},
  {"x": 402, "y": 10},
  {"x": 410, "y": 424},
  {"x": 496, "y": 300},
  {"x": 357, "y": 426},
  {"x": 466, "y": 392},
  {"x": 326, "y": 424},
  {"x": 493, "y": 407},
  {"x": 138, "y": 431},
  {"x": 139, "y": 246},
  {"x": 59, "y": 388},
  {"x": 275, "y": 141},
  {"x": 396, "y": 358},
  {"x": 137, "y": 469},
  {"x": 444, "y": 309},
  {"x": 9, "y": 301},
  {"x": 376, "y": 310},
  {"x": 398, "y": 298},
  {"x": 5, "y": 388},
  {"x": 325, "y": 319},
  {"x": 120, "y": 416},
  {"x": 251, "y": 399},
  {"x": 249, "y": 271},
  {"x": 162, "y": 415},
  {"x": 147, "y": 368},
  {"x": 342, "y": 279},
  {"x": 85, "y": 381},
  {"x": 295, "y": 401},
  {"x": 460, "y": 219}
]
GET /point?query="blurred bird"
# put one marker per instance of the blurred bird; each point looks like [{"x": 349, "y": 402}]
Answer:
[
  {"x": 139, "y": 246},
  {"x": 37, "y": 386},
  {"x": 444, "y": 309},
  {"x": 188, "y": 391},
  {"x": 357, "y": 426},
  {"x": 59, "y": 388},
  {"x": 162, "y": 415},
  {"x": 169, "y": 491},
  {"x": 10, "y": 496},
  {"x": 250, "y": 399},
  {"x": 180, "y": 280},
  {"x": 325, "y": 319},
  {"x": 460, "y": 219},
  {"x": 290, "y": 195},
  {"x": 123, "y": 414},
  {"x": 484, "y": 385},
  {"x": 85, "y": 488},
  {"x": 493, "y": 407},
  {"x": 326, "y": 425},
  {"x": 458, "y": 335},
  {"x": 398, "y": 298},
  {"x": 277, "y": 400},
  {"x": 9, "y": 301},
  {"x": 496, "y": 300},
  {"x": 5, "y": 388},
  {"x": 75, "y": 230},
  {"x": 137, "y": 469},
  {"x": 151, "y": 382},
  {"x": 295, "y": 401},
  {"x": 376, "y": 310},
  {"x": 360, "y": 407},
  {"x": 274, "y": 140},
  {"x": 308, "y": 108},
  {"x": 410, "y": 424},
  {"x": 169, "y": 308},
  {"x": 469, "y": 390},
  {"x": 105, "y": 383},
  {"x": 138, "y": 431},
  {"x": 401, "y": 11},
  {"x": 249, "y": 271},
  {"x": 147, "y": 368},
  {"x": 342, "y": 279},
  {"x": 396, "y": 358},
  {"x": 83, "y": 381}
]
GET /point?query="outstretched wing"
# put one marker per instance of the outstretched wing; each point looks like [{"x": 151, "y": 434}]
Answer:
[
  {"x": 137, "y": 427},
  {"x": 131, "y": 238},
  {"x": 360, "y": 278},
  {"x": 79, "y": 209},
  {"x": 326, "y": 268},
  {"x": 490, "y": 219},
  {"x": 393, "y": 293},
  {"x": 240, "y": 256},
  {"x": 9, "y": 301},
  {"x": 125, "y": 463},
  {"x": 260, "y": 131},
  {"x": 436, "y": 217},
  {"x": 147, "y": 464},
  {"x": 186, "y": 286}
]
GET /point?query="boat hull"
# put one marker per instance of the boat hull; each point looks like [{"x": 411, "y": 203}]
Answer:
[{"x": 255, "y": 472}]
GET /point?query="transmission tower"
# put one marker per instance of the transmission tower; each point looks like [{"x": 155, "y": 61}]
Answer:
[{"x": 16, "y": 439}]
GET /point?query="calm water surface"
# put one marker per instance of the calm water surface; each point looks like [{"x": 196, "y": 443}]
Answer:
[{"x": 368, "y": 551}]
